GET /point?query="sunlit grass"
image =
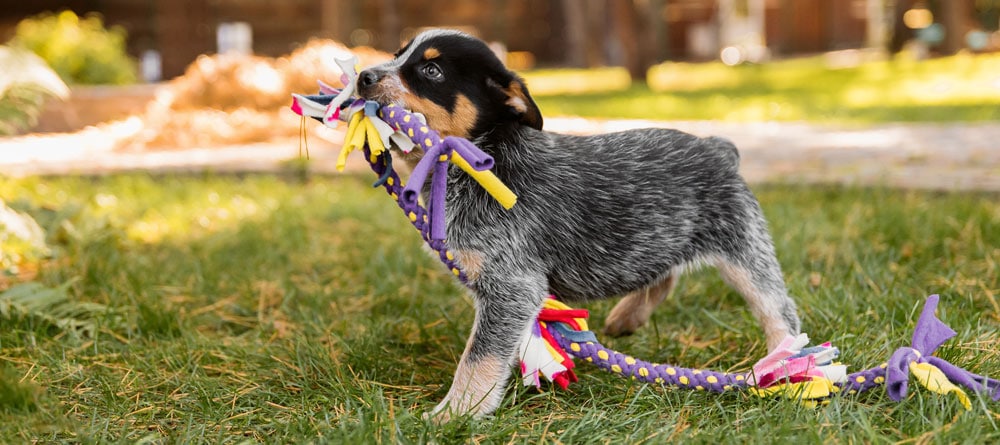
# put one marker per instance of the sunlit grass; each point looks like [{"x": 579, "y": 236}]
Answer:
[
  {"x": 270, "y": 309},
  {"x": 957, "y": 88},
  {"x": 554, "y": 82}
]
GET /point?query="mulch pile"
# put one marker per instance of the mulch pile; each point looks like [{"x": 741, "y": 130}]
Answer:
[{"x": 232, "y": 99}]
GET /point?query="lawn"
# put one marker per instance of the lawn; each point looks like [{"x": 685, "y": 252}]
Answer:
[
  {"x": 957, "y": 88},
  {"x": 266, "y": 308}
]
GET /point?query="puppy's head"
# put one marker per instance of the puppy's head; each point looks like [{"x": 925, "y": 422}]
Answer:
[{"x": 455, "y": 81}]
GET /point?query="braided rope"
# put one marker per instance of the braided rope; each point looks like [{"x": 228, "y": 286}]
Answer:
[
  {"x": 416, "y": 213},
  {"x": 641, "y": 370},
  {"x": 690, "y": 378}
]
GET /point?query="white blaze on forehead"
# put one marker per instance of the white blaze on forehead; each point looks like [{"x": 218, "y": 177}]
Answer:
[{"x": 394, "y": 64}]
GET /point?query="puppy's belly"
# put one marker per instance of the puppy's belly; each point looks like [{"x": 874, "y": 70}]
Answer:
[{"x": 606, "y": 279}]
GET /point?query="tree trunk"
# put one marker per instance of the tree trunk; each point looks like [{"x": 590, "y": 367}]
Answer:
[
  {"x": 956, "y": 16},
  {"x": 329, "y": 19},
  {"x": 576, "y": 33},
  {"x": 182, "y": 34},
  {"x": 597, "y": 34},
  {"x": 389, "y": 38},
  {"x": 627, "y": 31},
  {"x": 900, "y": 33},
  {"x": 875, "y": 29}
]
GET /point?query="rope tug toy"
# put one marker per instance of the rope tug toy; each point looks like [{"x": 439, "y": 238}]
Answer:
[{"x": 560, "y": 333}]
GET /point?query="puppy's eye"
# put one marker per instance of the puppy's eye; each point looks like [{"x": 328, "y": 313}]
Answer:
[{"x": 432, "y": 71}]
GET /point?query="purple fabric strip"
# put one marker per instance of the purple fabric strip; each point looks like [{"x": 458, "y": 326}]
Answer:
[
  {"x": 862, "y": 381},
  {"x": 897, "y": 375},
  {"x": 930, "y": 332},
  {"x": 418, "y": 176},
  {"x": 434, "y": 147},
  {"x": 477, "y": 158},
  {"x": 393, "y": 189},
  {"x": 438, "y": 185}
]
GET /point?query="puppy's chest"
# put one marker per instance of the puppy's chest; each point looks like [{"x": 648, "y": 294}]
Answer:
[{"x": 473, "y": 216}]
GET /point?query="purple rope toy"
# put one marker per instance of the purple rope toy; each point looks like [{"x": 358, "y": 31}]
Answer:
[
  {"x": 805, "y": 374},
  {"x": 928, "y": 335}
]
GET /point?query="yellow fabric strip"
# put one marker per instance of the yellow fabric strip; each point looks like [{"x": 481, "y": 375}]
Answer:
[
  {"x": 808, "y": 392},
  {"x": 548, "y": 347},
  {"x": 552, "y": 303},
  {"x": 488, "y": 180},
  {"x": 374, "y": 139},
  {"x": 934, "y": 379},
  {"x": 355, "y": 138},
  {"x": 360, "y": 129}
]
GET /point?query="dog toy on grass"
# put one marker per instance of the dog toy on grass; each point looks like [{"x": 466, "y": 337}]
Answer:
[
  {"x": 808, "y": 374},
  {"x": 560, "y": 333}
]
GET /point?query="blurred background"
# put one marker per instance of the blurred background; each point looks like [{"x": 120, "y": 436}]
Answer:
[
  {"x": 130, "y": 76},
  {"x": 166, "y": 36}
]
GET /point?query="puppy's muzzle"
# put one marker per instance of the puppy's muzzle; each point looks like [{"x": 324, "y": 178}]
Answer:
[{"x": 368, "y": 83}]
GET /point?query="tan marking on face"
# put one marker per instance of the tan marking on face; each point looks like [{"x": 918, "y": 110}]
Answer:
[
  {"x": 457, "y": 123},
  {"x": 431, "y": 53},
  {"x": 471, "y": 263}
]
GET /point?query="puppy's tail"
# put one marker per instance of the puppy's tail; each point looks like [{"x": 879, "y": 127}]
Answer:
[{"x": 726, "y": 149}]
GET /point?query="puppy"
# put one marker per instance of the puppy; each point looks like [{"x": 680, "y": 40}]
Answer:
[{"x": 596, "y": 217}]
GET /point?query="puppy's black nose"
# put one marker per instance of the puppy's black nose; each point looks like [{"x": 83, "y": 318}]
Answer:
[{"x": 368, "y": 79}]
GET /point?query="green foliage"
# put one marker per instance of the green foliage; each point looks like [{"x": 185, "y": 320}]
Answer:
[
  {"x": 16, "y": 396},
  {"x": 552, "y": 82},
  {"x": 25, "y": 82},
  {"x": 53, "y": 307},
  {"x": 956, "y": 88},
  {"x": 257, "y": 308},
  {"x": 81, "y": 50},
  {"x": 21, "y": 237}
]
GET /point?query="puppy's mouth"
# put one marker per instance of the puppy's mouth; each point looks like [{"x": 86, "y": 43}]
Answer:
[
  {"x": 381, "y": 96},
  {"x": 384, "y": 88}
]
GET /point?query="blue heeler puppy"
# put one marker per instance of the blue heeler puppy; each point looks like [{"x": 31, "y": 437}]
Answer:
[{"x": 602, "y": 216}]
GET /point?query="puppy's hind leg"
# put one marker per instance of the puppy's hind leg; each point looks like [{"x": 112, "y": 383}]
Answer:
[
  {"x": 634, "y": 309},
  {"x": 757, "y": 276}
]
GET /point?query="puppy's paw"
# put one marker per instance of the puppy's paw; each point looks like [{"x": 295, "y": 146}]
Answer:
[
  {"x": 449, "y": 410},
  {"x": 621, "y": 323},
  {"x": 440, "y": 415}
]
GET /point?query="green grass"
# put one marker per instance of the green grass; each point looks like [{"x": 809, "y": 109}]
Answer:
[
  {"x": 265, "y": 309},
  {"x": 957, "y": 88}
]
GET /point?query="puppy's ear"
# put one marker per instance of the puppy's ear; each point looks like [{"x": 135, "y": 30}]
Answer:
[{"x": 518, "y": 101}]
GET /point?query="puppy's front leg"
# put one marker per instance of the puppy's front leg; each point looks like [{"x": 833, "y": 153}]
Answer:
[{"x": 505, "y": 306}]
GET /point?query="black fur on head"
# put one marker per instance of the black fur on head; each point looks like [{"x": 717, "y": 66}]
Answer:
[{"x": 456, "y": 81}]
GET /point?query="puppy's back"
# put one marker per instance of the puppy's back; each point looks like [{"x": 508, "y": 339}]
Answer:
[{"x": 611, "y": 213}]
